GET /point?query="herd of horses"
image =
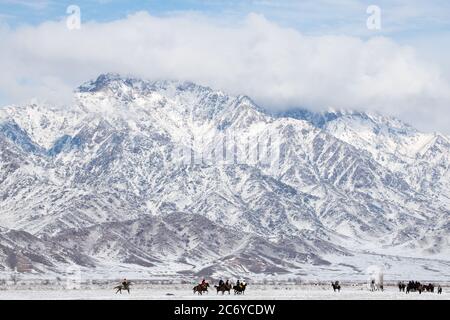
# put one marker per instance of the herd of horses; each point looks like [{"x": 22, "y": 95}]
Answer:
[
  {"x": 411, "y": 286},
  {"x": 415, "y": 286},
  {"x": 224, "y": 287}
]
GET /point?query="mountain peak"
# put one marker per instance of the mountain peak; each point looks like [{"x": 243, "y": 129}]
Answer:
[
  {"x": 101, "y": 82},
  {"x": 116, "y": 81}
]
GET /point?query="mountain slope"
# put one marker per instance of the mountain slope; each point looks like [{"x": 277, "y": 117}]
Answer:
[{"x": 137, "y": 158}]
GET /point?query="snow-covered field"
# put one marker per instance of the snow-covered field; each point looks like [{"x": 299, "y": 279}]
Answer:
[{"x": 260, "y": 292}]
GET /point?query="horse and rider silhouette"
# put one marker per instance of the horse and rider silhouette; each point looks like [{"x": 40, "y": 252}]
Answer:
[
  {"x": 201, "y": 287},
  {"x": 336, "y": 286},
  {"x": 240, "y": 287},
  {"x": 224, "y": 286},
  {"x": 124, "y": 285}
]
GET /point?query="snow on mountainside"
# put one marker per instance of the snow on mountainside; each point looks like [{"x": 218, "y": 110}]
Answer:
[
  {"x": 174, "y": 176},
  {"x": 420, "y": 159}
]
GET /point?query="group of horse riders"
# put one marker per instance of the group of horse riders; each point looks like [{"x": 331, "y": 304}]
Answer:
[
  {"x": 240, "y": 284},
  {"x": 201, "y": 287},
  {"x": 239, "y": 287}
]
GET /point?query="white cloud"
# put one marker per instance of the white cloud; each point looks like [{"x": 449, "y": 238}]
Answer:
[
  {"x": 32, "y": 4},
  {"x": 278, "y": 67}
]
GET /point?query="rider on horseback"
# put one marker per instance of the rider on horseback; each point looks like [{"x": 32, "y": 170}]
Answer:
[{"x": 124, "y": 285}]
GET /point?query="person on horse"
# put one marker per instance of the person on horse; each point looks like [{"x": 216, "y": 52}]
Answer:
[
  {"x": 220, "y": 282},
  {"x": 227, "y": 283},
  {"x": 238, "y": 284},
  {"x": 203, "y": 283},
  {"x": 125, "y": 282}
]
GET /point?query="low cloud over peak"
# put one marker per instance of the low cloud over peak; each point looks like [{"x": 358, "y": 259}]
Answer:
[{"x": 278, "y": 67}]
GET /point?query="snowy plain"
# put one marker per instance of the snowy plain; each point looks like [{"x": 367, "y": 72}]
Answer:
[{"x": 259, "y": 292}]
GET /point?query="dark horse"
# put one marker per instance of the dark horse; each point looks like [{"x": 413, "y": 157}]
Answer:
[
  {"x": 121, "y": 287},
  {"x": 201, "y": 288},
  {"x": 239, "y": 289},
  {"x": 224, "y": 287},
  {"x": 429, "y": 288},
  {"x": 336, "y": 286},
  {"x": 415, "y": 286}
]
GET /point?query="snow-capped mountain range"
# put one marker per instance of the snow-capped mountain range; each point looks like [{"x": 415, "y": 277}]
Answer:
[{"x": 175, "y": 178}]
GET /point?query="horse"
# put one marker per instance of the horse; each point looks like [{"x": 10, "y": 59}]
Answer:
[
  {"x": 123, "y": 287},
  {"x": 401, "y": 286},
  {"x": 201, "y": 288},
  {"x": 336, "y": 286},
  {"x": 411, "y": 286},
  {"x": 417, "y": 286},
  {"x": 429, "y": 288},
  {"x": 421, "y": 288},
  {"x": 224, "y": 287},
  {"x": 239, "y": 289}
]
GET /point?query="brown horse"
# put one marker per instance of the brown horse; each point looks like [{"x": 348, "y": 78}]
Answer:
[
  {"x": 224, "y": 287},
  {"x": 239, "y": 289},
  {"x": 429, "y": 288},
  {"x": 121, "y": 287},
  {"x": 201, "y": 288}
]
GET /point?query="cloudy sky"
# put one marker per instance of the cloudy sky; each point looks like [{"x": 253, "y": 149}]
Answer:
[{"x": 317, "y": 54}]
